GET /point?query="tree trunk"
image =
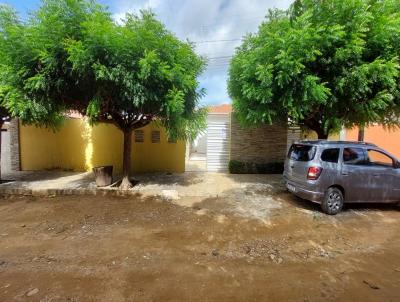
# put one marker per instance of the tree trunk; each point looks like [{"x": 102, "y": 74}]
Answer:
[
  {"x": 322, "y": 136},
  {"x": 361, "y": 133},
  {"x": 321, "y": 133},
  {"x": 126, "y": 162},
  {"x": 314, "y": 125}
]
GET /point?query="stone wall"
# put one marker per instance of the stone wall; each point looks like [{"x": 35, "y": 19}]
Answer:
[
  {"x": 263, "y": 145},
  {"x": 14, "y": 145},
  {"x": 294, "y": 135},
  {"x": 10, "y": 159}
]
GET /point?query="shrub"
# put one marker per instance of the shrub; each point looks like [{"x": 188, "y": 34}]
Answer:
[{"x": 238, "y": 167}]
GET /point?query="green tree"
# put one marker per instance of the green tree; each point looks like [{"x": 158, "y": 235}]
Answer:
[
  {"x": 71, "y": 55},
  {"x": 321, "y": 64}
]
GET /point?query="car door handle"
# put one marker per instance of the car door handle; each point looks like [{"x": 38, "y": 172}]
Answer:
[
  {"x": 375, "y": 175},
  {"x": 345, "y": 174}
]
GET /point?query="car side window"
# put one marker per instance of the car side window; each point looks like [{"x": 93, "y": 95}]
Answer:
[
  {"x": 330, "y": 155},
  {"x": 354, "y": 156},
  {"x": 377, "y": 158}
]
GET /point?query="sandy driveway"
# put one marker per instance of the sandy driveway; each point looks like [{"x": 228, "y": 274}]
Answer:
[{"x": 250, "y": 245}]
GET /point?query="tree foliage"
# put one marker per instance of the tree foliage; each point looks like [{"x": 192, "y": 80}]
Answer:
[
  {"x": 71, "y": 55},
  {"x": 322, "y": 64}
]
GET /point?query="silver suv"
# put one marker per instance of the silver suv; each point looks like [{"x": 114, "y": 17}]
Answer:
[{"x": 334, "y": 172}]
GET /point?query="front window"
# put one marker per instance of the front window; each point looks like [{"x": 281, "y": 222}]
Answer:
[
  {"x": 379, "y": 159},
  {"x": 300, "y": 152}
]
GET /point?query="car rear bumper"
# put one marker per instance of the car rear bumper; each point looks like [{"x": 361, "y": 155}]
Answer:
[{"x": 305, "y": 193}]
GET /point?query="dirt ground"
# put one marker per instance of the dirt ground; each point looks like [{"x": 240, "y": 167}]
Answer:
[{"x": 251, "y": 246}]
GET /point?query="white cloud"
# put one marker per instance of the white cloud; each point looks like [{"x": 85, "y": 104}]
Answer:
[{"x": 207, "y": 20}]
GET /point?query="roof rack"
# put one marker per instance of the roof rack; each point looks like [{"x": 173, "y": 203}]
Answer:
[{"x": 326, "y": 142}]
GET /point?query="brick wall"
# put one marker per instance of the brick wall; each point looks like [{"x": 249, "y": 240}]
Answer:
[
  {"x": 294, "y": 135},
  {"x": 13, "y": 129},
  {"x": 263, "y": 145}
]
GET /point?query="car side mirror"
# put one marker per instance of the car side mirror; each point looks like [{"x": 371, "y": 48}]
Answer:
[{"x": 397, "y": 165}]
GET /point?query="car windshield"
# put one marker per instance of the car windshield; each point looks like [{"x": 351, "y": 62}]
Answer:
[{"x": 300, "y": 152}]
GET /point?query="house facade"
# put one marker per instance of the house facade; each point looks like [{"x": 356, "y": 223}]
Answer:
[
  {"x": 79, "y": 147},
  {"x": 225, "y": 142},
  {"x": 224, "y": 146}
]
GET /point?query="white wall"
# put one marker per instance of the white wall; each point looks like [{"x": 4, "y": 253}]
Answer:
[{"x": 200, "y": 144}]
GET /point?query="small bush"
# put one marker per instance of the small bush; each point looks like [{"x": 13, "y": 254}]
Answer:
[{"x": 238, "y": 167}]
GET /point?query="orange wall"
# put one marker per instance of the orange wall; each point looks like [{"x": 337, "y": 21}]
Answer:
[{"x": 388, "y": 140}]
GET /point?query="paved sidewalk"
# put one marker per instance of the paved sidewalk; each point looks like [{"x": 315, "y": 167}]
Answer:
[
  {"x": 171, "y": 186},
  {"x": 46, "y": 183}
]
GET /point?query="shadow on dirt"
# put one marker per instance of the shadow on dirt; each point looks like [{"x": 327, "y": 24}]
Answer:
[
  {"x": 312, "y": 206},
  {"x": 275, "y": 179},
  {"x": 184, "y": 179}
]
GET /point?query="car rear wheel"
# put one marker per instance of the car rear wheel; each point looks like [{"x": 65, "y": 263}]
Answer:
[{"x": 333, "y": 201}]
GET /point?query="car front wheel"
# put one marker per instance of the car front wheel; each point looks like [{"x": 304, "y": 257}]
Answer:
[{"x": 333, "y": 201}]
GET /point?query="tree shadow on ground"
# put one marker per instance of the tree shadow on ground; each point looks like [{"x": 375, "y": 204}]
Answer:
[
  {"x": 371, "y": 206},
  {"x": 256, "y": 178},
  {"x": 183, "y": 179}
]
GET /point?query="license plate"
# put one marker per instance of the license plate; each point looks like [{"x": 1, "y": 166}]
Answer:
[{"x": 291, "y": 188}]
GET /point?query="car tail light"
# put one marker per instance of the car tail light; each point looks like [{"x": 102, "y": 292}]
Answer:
[{"x": 314, "y": 173}]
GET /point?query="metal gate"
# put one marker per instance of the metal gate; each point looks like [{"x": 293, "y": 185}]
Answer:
[{"x": 218, "y": 142}]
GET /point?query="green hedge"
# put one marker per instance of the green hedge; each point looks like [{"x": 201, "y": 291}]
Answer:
[{"x": 238, "y": 167}]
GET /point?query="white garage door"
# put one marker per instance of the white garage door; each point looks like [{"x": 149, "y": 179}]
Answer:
[{"x": 218, "y": 140}]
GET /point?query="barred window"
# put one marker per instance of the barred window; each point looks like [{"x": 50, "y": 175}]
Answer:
[
  {"x": 155, "y": 137},
  {"x": 139, "y": 136}
]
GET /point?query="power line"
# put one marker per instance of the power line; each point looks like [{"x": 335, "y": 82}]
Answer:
[
  {"x": 222, "y": 57},
  {"x": 217, "y": 52},
  {"x": 242, "y": 19},
  {"x": 217, "y": 66},
  {"x": 217, "y": 41},
  {"x": 219, "y": 63},
  {"x": 241, "y": 15}
]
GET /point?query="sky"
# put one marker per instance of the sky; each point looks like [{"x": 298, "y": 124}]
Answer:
[{"x": 216, "y": 26}]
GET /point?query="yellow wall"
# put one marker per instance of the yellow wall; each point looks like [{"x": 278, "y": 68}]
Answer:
[{"x": 79, "y": 147}]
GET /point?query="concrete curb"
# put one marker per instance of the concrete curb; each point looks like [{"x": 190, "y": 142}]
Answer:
[
  {"x": 99, "y": 192},
  {"x": 66, "y": 192}
]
